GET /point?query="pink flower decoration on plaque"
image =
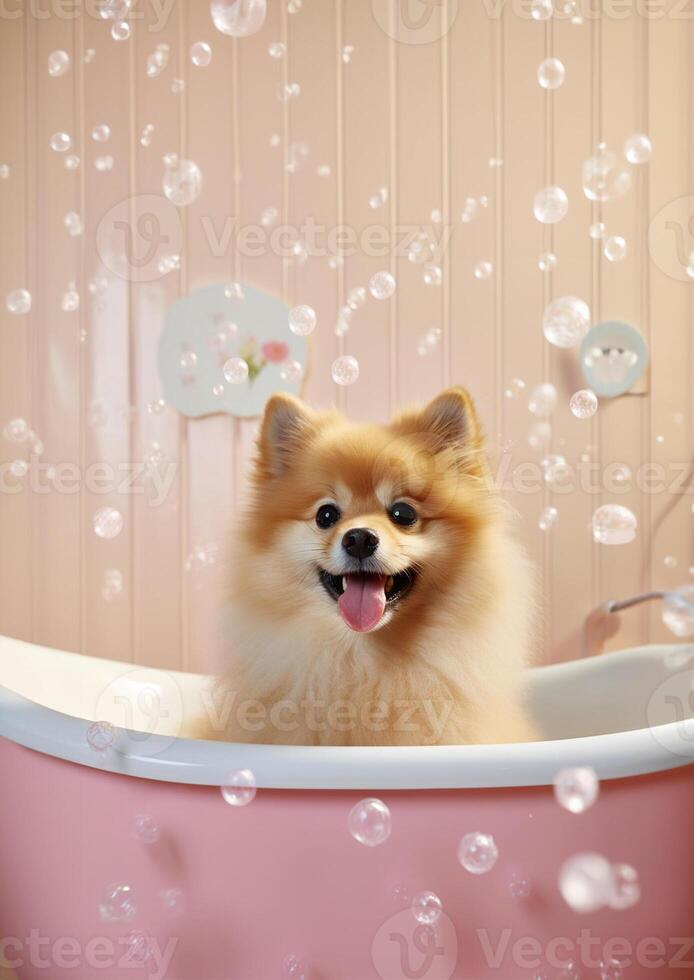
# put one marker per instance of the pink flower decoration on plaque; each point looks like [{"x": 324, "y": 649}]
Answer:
[{"x": 275, "y": 351}]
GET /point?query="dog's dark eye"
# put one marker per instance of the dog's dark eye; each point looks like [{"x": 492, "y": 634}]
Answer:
[
  {"x": 402, "y": 513},
  {"x": 327, "y": 515}
]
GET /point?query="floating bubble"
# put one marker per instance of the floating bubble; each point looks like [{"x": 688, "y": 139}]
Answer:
[
  {"x": 614, "y": 524},
  {"x": 519, "y": 887},
  {"x": 345, "y": 370},
  {"x": 576, "y": 789},
  {"x": 234, "y": 290},
  {"x": 378, "y": 199},
  {"x": 470, "y": 210},
  {"x": 19, "y": 468},
  {"x": 566, "y": 321},
  {"x": 429, "y": 341},
  {"x": 554, "y": 468},
  {"x": 604, "y": 177},
  {"x": 18, "y": 301},
  {"x": 678, "y": 611},
  {"x": 101, "y": 133},
  {"x": 89, "y": 55},
  {"x": 483, "y": 270},
  {"x": 178, "y": 85},
  {"x": 293, "y": 968},
  {"x": 115, "y": 9},
  {"x": 433, "y": 275},
  {"x": 478, "y": 853},
  {"x": 58, "y": 63},
  {"x": 302, "y": 320},
  {"x": 550, "y": 205},
  {"x": 548, "y": 518},
  {"x": 157, "y": 61},
  {"x": 238, "y": 18},
  {"x": 118, "y": 903},
  {"x": 426, "y": 908},
  {"x": 101, "y": 735},
  {"x": 289, "y": 90},
  {"x": 291, "y": 370},
  {"x": 539, "y": 435},
  {"x": 382, "y": 285},
  {"x": 615, "y": 248},
  {"x": 597, "y": 230},
  {"x": 638, "y": 148},
  {"x": 113, "y": 584},
  {"x": 347, "y": 52},
  {"x": 173, "y": 900},
  {"x": 235, "y": 370},
  {"x": 182, "y": 180},
  {"x": 146, "y": 135},
  {"x": 240, "y": 789},
  {"x": 323, "y": 170},
  {"x": 515, "y": 388},
  {"x": 547, "y": 261},
  {"x": 60, "y": 142},
  {"x": 356, "y": 297},
  {"x": 139, "y": 948},
  {"x": 542, "y": 400},
  {"x": 120, "y": 30},
  {"x": 103, "y": 164},
  {"x": 611, "y": 969},
  {"x": 71, "y": 162},
  {"x": 188, "y": 360},
  {"x": 583, "y": 403},
  {"x": 17, "y": 430},
  {"x": 369, "y": 822},
  {"x": 551, "y": 73},
  {"x": 277, "y": 50},
  {"x": 626, "y": 889},
  {"x": 268, "y": 217},
  {"x": 200, "y": 54},
  {"x": 541, "y": 9},
  {"x": 145, "y": 829},
  {"x": 107, "y": 522},
  {"x": 586, "y": 882},
  {"x": 4, "y": 171},
  {"x": 73, "y": 223}
]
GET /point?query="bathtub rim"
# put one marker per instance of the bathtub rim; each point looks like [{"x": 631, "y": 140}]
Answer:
[{"x": 198, "y": 762}]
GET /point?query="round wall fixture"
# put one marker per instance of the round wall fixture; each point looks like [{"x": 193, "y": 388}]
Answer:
[{"x": 613, "y": 358}]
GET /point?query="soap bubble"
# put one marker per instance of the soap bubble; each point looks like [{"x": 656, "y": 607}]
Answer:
[
  {"x": 551, "y": 73},
  {"x": 234, "y": 290},
  {"x": 614, "y": 524},
  {"x": 240, "y": 789},
  {"x": 58, "y": 63},
  {"x": 17, "y": 430},
  {"x": 611, "y": 969},
  {"x": 182, "y": 180},
  {"x": 238, "y": 18},
  {"x": 60, "y": 142},
  {"x": 576, "y": 789},
  {"x": 519, "y": 887},
  {"x": 550, "y": 205},
  {"x": 433, "y": 275},
  {"x": 548, "y": 518},
  {"x": 515, "y": 388},
  {"x": 345, "y": 370},
  {"x": 73, "y": 223},
  {"x": 18, "y": 301},
  {"x": 547, "y": 261},
  {"x": 554, "y": 468},
  {"x": 108, "y": 522},
  {"x": 277, "y": 50},
  {"x": 71, "y": 162},
  {"x": 369, "y": 822},
  {"x": 478, "y": 853},
  {"x": 637, "y": 148},
  {"x": 19, "y": 468},
  {"x": 542, "y": 400},
  {"x": 678, "y": 611},
  {"x": 145, "y": 829},
  {"x": 4, "y": 171},
  {"x": 604, "y": 177},
  {"x": 290, "y": 90},
  {"x": 103, "y": 164},
  {"x": 597, "y": 230},
  {"x": 302, "y": 320},
  {"x": 120, "y": 30},
  {"x": 470, "y": 210},
  {"x": 146, "y": 135},
  {"x": 291, "y": 370},
  {"x": 101, "y": 735},
  {"x": 139, "y": 948},
  {"x": 429, "y": 341},
  {"x": 201, "y": 54},
  {"x": 615, "y": 248},
  {"x": 114, "y": 9},
  {"x": 101, "y": 133},
  {"x": 566, "y": 321},
  {"x": 483, "y": 270},
  {"x": 293, "y": 968},
  {"x": 235, "y": 370},
  {"x": 118, "y": 903},
  {"x": 426, "y": 908},
  {"x": 541, "y": 9},
  {"x": 583, "y": 403},
  {"x": 378, "y": 199},
  {"x": 586, "y": 882},
  {"x": 382, "y": 285},
  {"x": 539, "y": 435},
  {"x": 173, "y": 900},
  {"x": 113, "y": 584},
  {"x": 356, "y": 297},
  {"x": 157, "y": 61},
  {"x": 626, "y": 890}
]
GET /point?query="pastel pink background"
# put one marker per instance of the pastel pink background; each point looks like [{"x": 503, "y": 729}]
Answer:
[{"x": 423, "y": 120}]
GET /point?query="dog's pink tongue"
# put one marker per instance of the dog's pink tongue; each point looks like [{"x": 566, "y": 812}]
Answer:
[{"x": 362, "y": 603}]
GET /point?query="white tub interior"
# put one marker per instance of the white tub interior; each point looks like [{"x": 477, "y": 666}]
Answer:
[{"x": 624, "y": 713}]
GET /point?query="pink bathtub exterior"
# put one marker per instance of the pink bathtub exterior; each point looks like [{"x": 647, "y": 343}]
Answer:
[{"x": 283, "y": 876}]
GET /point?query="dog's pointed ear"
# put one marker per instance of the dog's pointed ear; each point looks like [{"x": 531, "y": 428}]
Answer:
[
  {"x": 448, "y": 424},
  {"x": 287, "y": 425}
]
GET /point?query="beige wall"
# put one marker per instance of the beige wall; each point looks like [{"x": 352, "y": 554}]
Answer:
[{"x": 422, "y": 119}]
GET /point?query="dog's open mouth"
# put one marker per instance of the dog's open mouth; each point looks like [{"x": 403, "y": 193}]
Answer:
[{"x": 362, "y": 598}]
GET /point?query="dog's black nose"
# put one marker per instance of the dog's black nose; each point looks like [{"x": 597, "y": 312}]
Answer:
[{"x": 360, "y": 542}]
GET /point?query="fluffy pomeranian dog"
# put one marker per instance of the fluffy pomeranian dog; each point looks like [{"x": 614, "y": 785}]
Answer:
[{"x": 377, "y": 596}]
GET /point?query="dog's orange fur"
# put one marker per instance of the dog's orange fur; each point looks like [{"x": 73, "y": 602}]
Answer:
[{"x": 453, "y": 650}]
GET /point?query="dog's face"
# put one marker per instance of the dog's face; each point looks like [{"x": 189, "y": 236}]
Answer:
[{"x": 362, "y": 526}]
